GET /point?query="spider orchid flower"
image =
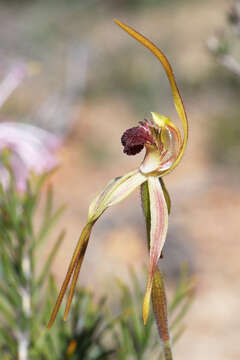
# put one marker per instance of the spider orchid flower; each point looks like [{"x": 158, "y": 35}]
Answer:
[{"x": 164, "y": 146}]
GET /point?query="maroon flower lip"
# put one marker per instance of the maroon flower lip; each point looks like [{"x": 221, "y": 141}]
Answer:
[{"x": 134, "y": 139}]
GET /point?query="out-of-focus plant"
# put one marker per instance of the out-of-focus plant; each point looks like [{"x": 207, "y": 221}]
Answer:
[
  {"x": 225, "y": 140},
  {"x": 20, "y": 294},
  {"x": 27, "y": 159},
  {"x": 225, "y": 48},
  {"x": 32, "y": 149},
  {"x": 27, "y": 295},
  {"x": 136, "y": 5},
  {"x": 164, "y": 147},
  {"x": 134, "y": 340},
  {"x": 225, "y": 45}
]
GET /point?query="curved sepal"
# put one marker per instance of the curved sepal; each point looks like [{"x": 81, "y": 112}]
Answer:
[
  {"x": 114, "y": 192},
  {"x": 176, "y": 94}
]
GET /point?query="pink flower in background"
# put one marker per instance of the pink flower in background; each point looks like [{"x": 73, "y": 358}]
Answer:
[{"x": 33, "y": 149}]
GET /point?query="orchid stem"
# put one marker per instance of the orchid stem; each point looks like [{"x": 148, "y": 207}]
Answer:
[{"x": 168, "y": 352}]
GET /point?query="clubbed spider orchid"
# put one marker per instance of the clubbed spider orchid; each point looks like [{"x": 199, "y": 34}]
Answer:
[{"x": 164, "y": 147}]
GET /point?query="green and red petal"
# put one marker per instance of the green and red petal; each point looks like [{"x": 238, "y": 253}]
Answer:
[{"x": 158, "y": 232}]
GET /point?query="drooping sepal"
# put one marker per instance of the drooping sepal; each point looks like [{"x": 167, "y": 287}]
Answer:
[
  {"x": 158, "y": 232},
  {"x": 72, "y": 272},
  {"x": 158, "y": 294}
]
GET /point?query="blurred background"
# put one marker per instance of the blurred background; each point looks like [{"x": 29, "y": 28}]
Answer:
[{"x": 92, "y": 83}]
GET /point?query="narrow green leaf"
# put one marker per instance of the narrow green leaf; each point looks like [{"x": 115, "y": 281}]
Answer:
[
  {"x": 51, "y": 257},
  {"x": 48, "y": 225}
]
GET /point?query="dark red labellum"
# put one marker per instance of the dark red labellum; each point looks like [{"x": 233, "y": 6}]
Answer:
[{"x": 134, "y": 139}]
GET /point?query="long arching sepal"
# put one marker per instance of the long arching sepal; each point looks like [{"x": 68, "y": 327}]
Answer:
[{"x": 176, "y": 94}]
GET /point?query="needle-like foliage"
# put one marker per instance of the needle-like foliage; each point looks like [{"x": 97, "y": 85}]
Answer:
[
  {"x": 133, "y": 339},
  {"x": 27, "y": 294}
]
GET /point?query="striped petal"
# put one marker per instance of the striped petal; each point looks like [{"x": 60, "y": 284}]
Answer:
[
  {"x": 159, "y": 225},
  {"x": 114, "y": 192}
]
